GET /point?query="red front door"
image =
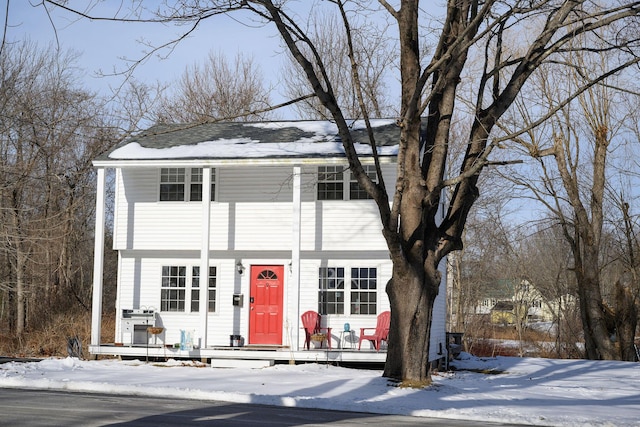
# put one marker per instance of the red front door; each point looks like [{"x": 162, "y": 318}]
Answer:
[{"x": 265, "y": 306}]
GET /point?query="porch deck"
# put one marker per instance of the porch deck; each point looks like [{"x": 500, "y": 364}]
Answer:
[{"x": 267, "y": 354}]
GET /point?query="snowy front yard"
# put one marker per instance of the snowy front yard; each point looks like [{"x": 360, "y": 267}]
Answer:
[{"x": 508, "y": 389}]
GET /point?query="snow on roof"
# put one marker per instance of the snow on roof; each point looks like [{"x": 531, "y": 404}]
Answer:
[
  {"x": 254, "y": 140},
  {"x": 239, "y": 148},
  {"x": 322, "y": 127}
]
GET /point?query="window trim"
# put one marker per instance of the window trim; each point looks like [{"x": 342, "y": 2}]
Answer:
[
  {"x": 326, "y": 176},
  {"x": 347, "y": 181},
  {"x": 369, "y": 170},
  {"x": 173, "y": 180},
  {"x": 371, "y": 279},
  {"x": 213, "y": 302},
  {"x": 344, "y": 282},
  {"x": 188, "y": 184},
  {"x": 167, "y": 277},
  {"x": 185, "y": 305},
  {"x": 325, "y": 290}
]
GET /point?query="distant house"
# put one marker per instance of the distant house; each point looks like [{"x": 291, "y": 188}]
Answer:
[
  {"x": 504, "y": 313},
  {"x": 227, "y": 232},
  {"x": 507, "y": 300}
]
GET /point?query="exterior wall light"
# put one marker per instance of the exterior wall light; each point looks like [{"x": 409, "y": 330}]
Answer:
[{"x": 239, "y": 267}]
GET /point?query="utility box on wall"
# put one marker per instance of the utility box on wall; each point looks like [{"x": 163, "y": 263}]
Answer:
[{"x": 238, "y": 300}]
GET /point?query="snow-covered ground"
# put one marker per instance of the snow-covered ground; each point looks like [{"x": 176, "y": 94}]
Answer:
[{"x": 504, "y": 389}]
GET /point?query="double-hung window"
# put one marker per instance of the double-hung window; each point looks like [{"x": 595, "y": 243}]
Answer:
[
  {"x": 173, "y": 291},
  {"x": 332, "y": 180},
  {"x": 356, "y": 192},
  {"x": 195, "y": 289},
  {"x": 184, "y": 184},
  {"x": 180, "y": 288},
  {"x": 363, "y": 290},
  {"x": 361, "y": 296},
  {"x": 195, "y": 194},
  {"x": 331, "y": 290},
  {"x": 172, "y": 182}
]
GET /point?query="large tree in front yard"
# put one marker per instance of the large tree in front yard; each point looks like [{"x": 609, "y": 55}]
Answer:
[{"x": 489, "y": 48}]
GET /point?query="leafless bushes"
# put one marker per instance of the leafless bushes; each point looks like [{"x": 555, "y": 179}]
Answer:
[{"x": 48, "y": 337}]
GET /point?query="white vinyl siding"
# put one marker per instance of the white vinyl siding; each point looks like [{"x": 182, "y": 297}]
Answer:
[
  {"x": 252, "y": 215},
  {"x": 263, "y": 226},
  {"x": 260, "y": 215},
  {"x": 437, "y": 347},
  {"x": 140, "y": 277},
  {"x": 255, "y": 184}
]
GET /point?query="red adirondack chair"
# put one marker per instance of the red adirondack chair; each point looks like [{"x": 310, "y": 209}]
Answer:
[
  {"x": 380, "y": 332},
  {"x": 311, "y": 325}
]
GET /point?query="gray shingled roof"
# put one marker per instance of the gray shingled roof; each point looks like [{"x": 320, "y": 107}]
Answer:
[{"x": 166, "y": 136}]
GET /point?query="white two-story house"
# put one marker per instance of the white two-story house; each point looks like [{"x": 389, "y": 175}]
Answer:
[{"x": 227, "y": 232}]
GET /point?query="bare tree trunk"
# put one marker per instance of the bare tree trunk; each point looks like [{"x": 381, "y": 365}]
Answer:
[
  {"x": 20, "y": 269},
  {"x": 411, "y": 303},
  {"x": 626, "y": 321},
  {"x": 585, "y": 243},
  {"x": 596, "y": 323}
]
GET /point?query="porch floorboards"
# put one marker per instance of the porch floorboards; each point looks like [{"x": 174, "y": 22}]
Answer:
[{"x": 274, "y": 353}]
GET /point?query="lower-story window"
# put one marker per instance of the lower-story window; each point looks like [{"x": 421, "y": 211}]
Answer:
[
  {"x": 331, "y": 290},
  {"x": 173, "y": 291},
  {"x": 195, "y": 289},
  {"x": 361, "y": 296},
  {"x": 180, "y": 289},
  {"x": 363, "y": 291}
]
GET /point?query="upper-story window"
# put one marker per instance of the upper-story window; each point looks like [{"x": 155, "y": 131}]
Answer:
[
  {"x": 174, "y": 183},
  {"x": 356, "y": 192},
  {"x": 332, "y": 180}
]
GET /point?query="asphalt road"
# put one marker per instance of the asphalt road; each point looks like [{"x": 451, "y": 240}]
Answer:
[{"x": 31, "y": 408}]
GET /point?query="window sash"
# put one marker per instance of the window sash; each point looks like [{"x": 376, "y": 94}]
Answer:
[
  {"x": 330, "y": 183},
  {"x": 173, "y": 290},
  {"x": 356, "y": 192},
  {"x": 331, "y": 290},
  {"x": 195, "y": 289},
  {"x": 333, "y": 180},
  {"x": 361, "y": 296},
  {"x": 195, "y": 194},
  {"x": 175, "y": 181}
]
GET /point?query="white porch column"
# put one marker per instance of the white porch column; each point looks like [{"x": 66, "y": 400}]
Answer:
[
  {"x": 204, "y": 255},
  {"x": 295, "y": 253},
  {"x": 98, "y": 259}
]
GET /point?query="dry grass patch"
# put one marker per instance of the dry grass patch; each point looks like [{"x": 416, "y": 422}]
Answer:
[{"x": 49, "y": 338}]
